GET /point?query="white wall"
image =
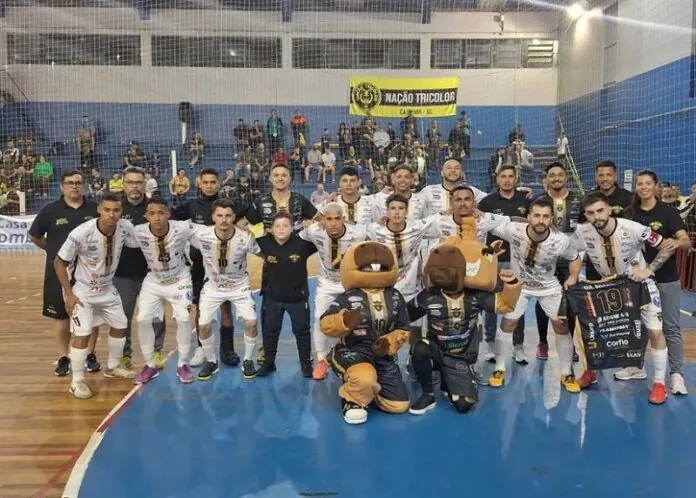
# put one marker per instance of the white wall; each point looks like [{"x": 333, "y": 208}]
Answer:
[
  {"x": 580, "y": 58},
  {"x": 268, "y": 86}
]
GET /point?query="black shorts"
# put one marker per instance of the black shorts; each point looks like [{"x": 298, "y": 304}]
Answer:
[
  {"x": 53, "y": 302},
  {"x": 455, "y": 374},
  {"x": 389, "y": 375}
]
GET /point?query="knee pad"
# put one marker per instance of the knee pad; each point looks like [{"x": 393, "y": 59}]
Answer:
[{"x": 460, "y": 403}]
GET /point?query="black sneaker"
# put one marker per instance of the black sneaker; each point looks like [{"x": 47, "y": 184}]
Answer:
[
  {"x": 266, "y": 369},
  {"x": 261, "y": 358},
  {"x": 422, "y": 405},
  {"x": 92, "y": 364},
  {"x": 63, "y": 367},
  {"x": 248, "y": 369},
  {"x": 306, "y": 369},
  {"x": 208, "y": 369},
  {"x": 230, "y": 358}
]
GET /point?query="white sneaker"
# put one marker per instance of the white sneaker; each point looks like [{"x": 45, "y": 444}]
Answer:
[
  {"x": 198, "y": 358},
  {"x": 631, "y": 373},
  {"x": 119, "y": 372},
  {"x": 678, "y": 385},
  {"x": 80, "y": 390},
  {"x": 354, "y": 414},
  {"x": 518, "y": 354},
  {"x": 489, "y": 355}
]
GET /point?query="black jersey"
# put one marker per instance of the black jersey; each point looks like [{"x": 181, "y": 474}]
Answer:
[
  {"x": 382, "y": 312},
  {"x": 609, "y": 314},
  {"x": 264, "y": 208}
]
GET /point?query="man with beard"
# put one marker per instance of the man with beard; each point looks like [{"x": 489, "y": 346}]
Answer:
[
  {"x": 437, "y": 197},
  {"x": 403, "y": 182},
  {"x": 536, "y": 249}
]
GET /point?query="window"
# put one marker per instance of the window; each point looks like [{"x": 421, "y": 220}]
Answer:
[
  {"x": 76, "y": 50},
  {"x": 178, "y": 51},
  {"x": 486, "y": 53},
  {"x": 317, "y": 53}
]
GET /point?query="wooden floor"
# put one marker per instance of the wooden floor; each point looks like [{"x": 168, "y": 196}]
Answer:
[{"x": 42, "y": 428}]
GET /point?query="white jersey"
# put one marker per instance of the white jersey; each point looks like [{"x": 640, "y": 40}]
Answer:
[
  {"x": 436, "y": 198},
  {"x": 535, "y": 262},
  {"x": 616, "y": 253},
  {"x": 93, "y": 256},
  {"x": 165, "y": 256},
  {"x": 447, "y": 227},
  {"x": 406, "y": 246},
  {"x": 225, "y": 261},
  {"x": 332, "y": 250},
  {"x": 362, "y": 212},
  {"x": 416, "y": 206}
]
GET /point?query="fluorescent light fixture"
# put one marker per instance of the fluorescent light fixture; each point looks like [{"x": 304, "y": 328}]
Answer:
[{"x": 576, "y": 10}]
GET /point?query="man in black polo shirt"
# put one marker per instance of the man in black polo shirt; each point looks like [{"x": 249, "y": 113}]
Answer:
[
  {"x": 507, "y": 201},
  {"x": 49, "y": 231},
  {"x": 132, "y": 267},
  {"x": 284, "y": 288}
]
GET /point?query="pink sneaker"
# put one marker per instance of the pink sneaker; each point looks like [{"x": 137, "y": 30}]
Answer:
[
  {"x": 185, "y": 374},
  {"x": 146, "y": 375},
  {"x": 542, "y": 352}
]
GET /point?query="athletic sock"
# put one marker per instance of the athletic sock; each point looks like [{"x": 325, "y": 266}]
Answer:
[
  {"x": 249, "y": 346},
  {"x": 564, "y": 346},
  {"x": 208, "y": 346},
  {"x": 116, "y": 345},
  {"x": 146, "y": 335},
  {"x": 503, "y": 349},
  {"x": 660, "y": 360},
  {"x": 183, "y": 341},
  {"x": 77, "y": 360}
]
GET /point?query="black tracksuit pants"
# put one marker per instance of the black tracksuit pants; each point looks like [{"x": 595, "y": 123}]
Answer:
[{"x": 272, "y": 313}]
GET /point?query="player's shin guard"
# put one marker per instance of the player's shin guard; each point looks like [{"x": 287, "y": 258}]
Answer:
[
  {"x": 183, "y": 342},
  {"x": 77, "y": 360},
  {"x": 116, "y": 345},
  {"x": 249, "y": 347},
  {"x": 659, "y": 357},
  {"x": 146, "y": 336},
  {"x": 564, "y": 347},
  {"x": 503, "y": 349}
]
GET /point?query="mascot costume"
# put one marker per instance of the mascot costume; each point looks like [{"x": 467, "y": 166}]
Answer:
[
  {"x": 463, "y": 279},
  {"x": 371, "y": 320}
]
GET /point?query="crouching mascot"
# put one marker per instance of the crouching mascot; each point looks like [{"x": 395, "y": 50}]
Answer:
[
  {"x": 371, "y": 320},
  {"x": 463, "y": 280}
]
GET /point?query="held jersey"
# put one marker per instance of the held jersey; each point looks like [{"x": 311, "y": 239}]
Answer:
[
  {"x": 165, "y": 256},
  {"x": 93, "y": 256},
  {"x": 406, "y": 246},
  {"x": 332, "y": 250},
  {"x": 609, "y": 315},
  {"x": 361, "y": 212},
  {"x": 535, "y": 262},
  {"x": 225, "y": 261},
  {"x": 565, "y": 211},
  {"x": 382, "y": 312},
  {"x": 447, "y": 227},
  {"x": 615, "y": 253},
  {"x": 437, "y": 198},
  {"x": 416, "y": 206}
]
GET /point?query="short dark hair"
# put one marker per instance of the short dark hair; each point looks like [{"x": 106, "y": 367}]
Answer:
[
  {"x": 401, "y": 166},
  {"x": 208, "y": 171},
  {"x": 396, "y": 198},
  {"x": 593, "y": 197},
  {"x": 462, "y": 187},
  {"x": 349, "y": 171},
  {"x": 133, "y": 170},
  {"x": 552, "y": 165},
  {"x": 111, "y": 197},
  {"x": 606, "y": 164},
  {"x": 160, "y": 201},
  {"x": 224, "y": 204},
  {"x": 283, "y": 215},
  {"x": 542, "y": 203},
  {"x": 279, "y": 165},
  {"x": 506, "y": 167},
  {"x": 68, "y": 173}
]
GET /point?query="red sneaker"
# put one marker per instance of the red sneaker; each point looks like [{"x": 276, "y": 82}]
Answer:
[
  {"x": 587, "y": 379},
  {"x": 542, "y": 352},
  {"x": 658, "y": 393}
]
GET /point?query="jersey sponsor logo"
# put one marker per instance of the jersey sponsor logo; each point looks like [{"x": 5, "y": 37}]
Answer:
[
  {"x": 62, "y": 221},
  {"x": 617, "y": 209},
  {"x": 354, "y": 299},
  {"x": 656, "y": 226},
  {"x": 294, "y": 258},
  {"x": 654, "y": 238},
  {"x": 618, "y": 343}
]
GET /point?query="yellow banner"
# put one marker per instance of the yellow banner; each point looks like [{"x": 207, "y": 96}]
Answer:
[{"x": 396, "y": 97}]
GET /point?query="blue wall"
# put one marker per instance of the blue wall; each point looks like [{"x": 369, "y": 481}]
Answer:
[{"x": 643, "y": 122}]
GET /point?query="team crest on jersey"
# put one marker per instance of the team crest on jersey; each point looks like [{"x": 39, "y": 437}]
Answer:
[
  {"x": 616, "y": 209},
  {"x": 271, "y": 259},
  {"x": 62, "y": 221},
  {"x": 294, "y": 258},
  {"x": 656, "y": 226},
  {"x": 522, "y": 210}
]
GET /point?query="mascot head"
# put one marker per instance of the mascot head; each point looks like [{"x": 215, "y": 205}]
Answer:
[
  {"x": 368, "y": 265},
  {"x": 446, "y": 269}
]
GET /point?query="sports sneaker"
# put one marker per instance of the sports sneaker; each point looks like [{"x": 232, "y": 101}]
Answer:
[
  {"x": 126, "y": 361},
  {"x": 159, "y": 360},
  {"x": 353, "y": 413},
  {"x": 678, "y": 384},
  {"x": 569, "y": 383},
  {"x": 518, "y": 354},
  {"x": 146, "y": 375},
  {"x": 422, "y": 405},
  {"x": 248, "y": 369},
  {"x": 229, "y": 357},
  {"x": 658, "y": 393},
  {"x": 63, "y": 367},
  {"x": 478, "y": 376},
  {"x": 198, "y": 357},
  {"x": 80, "y": 390},
  {"x": 266, "y": 369},
  {"x": 321, "y": 370},
  {"x": 208, "y": 369},
  {"x": 489, "y": 355},
  {"x": 497, "y": 379},
  {"x": 631, "y": 373},
  {"x": 261, "y": 358},
  {"x": 92, "y": 365},
  {"x": 306, "y": 368},
  {"x": 185, "y": 374},
  {"x": 542, "y": 352},
  {"x": 120, "y": 372},
  {"x": 587, "y": 379}
]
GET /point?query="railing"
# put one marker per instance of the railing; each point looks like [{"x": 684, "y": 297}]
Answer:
[{"x": 569, "y": 158}]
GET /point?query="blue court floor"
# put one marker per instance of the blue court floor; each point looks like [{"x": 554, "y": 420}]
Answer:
[{"x": 284, "y": 436}]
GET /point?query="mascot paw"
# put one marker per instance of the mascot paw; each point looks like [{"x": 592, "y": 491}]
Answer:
[
  {"x": 352, "y": 319},
  {"x": 497, "y": 247},
  {"x": 507, "y": 276},
  {"x": 389, "y": 344}
]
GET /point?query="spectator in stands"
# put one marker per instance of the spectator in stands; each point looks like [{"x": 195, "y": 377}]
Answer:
[
  {"x": 516, "y": 135},
  {"x": 669, "y": 196},
  {"x": 196, "y": 149},
  {"x": 86, "y": 143},
  {"x": 115, "y": 184},
  {"x": 154, "y": 164},
  {"x": 134, "y": 157},
  {"x": 314, "y": 162},
  {"x": 42, "y": 173},
  {"x": 280, "y": 156},
  {"x": 345, "y": 140},
  {"x": 245, "y": 160},
  {"x": 244, "y": 190},
  {"x": 377, "y": 165},
  {"x": 456, "y": 141},
  {"x": 151, "y": 186},
  {"x": 256, "y": 135},
  {"x": 241, "y": 136},
  {"x": 688, "y": 211},
  {"x": 466, "y": 128},
  {"x": 356, "y": 137},
  {"x": 97, "y": 185},
  {"x": 433, "y": 139},
  {"x": 328, "y": 159},
  {"x": 228, "y": 186},
  {"x": 319, "y": 195},
  {"x": 179, "y": 186},
  {"x": 256, "y": 185},
  {"x": 297, "y": 162},
  {"x": 10, "y": 202},
  {"x": 299, "y": 129},
  {"x": 408, "y": 125},
  {"x": 274, "y": 128},
  {"x": 351, "y": 158},
  {"x": 392, "y": 135},
  {"x": 262, "y": 160},
  {"x": 25, "y": 183},
  {"x": 12, "y": 151},
  {"x": 419, "y": 160},
  {"x": 325, "y": 140},
  {"x": 562, "y": 147}
]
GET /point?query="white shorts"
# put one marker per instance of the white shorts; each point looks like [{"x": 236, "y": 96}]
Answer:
[
  {"x": 153, "y": 294},
  {"x": 324, "y": 296},
  {"x": 550, "y": 303},
  {"x": 212, "y": 297},
  {"x": 651, "y": 314},
  {"x": 97, "y": 309}
]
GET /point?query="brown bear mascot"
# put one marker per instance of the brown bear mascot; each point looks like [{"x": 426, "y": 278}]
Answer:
[{"x": 371, "y": 320}]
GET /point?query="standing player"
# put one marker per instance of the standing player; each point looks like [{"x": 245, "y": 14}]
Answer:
[
  {"x": 536, "y": 249},
  {"x": 49, "y": 231},
  {"x": 437, "y": 197},
  {"x": 402, "y": 180},
  {"x": 332, "y": 237},
  {"x": 92, "y": 252},
  {"x": 224, "y": 250},
  {"x": 357, "y": 209},
  {"x": 614, "y": 247},
  {"x": 163, "y": 244}
]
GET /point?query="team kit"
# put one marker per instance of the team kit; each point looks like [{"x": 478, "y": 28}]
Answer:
[{"x": 435, "y": 272}]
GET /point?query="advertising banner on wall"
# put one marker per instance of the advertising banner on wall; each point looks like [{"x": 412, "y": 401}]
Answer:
[
  {"x": 14, "y": 231},
  {"x": 396, "y": 97}
]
